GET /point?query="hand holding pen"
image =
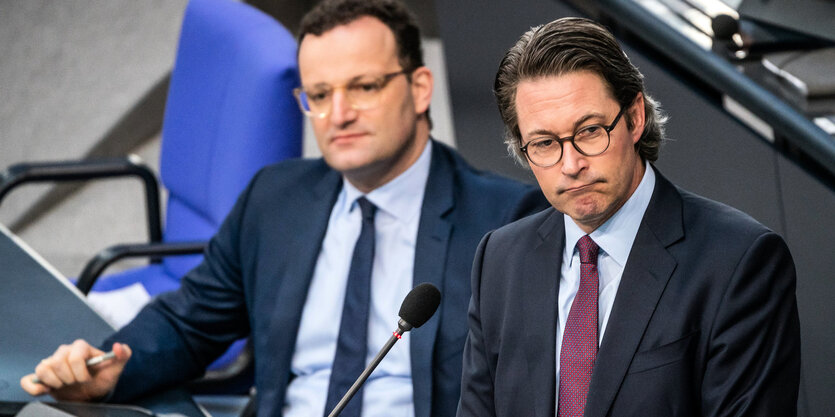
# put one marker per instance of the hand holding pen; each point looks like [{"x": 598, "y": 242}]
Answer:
[{"x": 78, "y": 372}]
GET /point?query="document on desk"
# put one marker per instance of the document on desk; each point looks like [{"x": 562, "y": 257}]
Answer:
[{"x": 46, "y": 312}]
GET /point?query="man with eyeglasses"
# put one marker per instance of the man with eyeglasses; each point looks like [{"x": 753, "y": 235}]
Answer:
[
  {"x": 631, "y": 297},
  {"x": 317, "y": 255}
]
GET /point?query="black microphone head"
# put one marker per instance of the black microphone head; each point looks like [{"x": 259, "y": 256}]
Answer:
[
  {"x": 420, "y": 304},
  {"x": 724, "y": 26}
]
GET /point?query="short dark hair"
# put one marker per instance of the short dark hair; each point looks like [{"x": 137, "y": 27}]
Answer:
[
  {"x": 329, "y": 14},
  {"x": 567, "y": 45}
]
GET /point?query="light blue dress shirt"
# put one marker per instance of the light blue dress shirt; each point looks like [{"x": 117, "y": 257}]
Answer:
[
  {"x": 615, "y": 238},
  {"x": 388, "y": 391}
]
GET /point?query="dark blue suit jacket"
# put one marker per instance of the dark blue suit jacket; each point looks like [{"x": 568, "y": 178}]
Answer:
[
  {"x": 704, "y": 322},
  {"x": 257, "y": 271}
]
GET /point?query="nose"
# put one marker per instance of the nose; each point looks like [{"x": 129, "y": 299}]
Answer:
[
  {"x": 572, "y": 161},
  {"x": 341, "y": 111}
]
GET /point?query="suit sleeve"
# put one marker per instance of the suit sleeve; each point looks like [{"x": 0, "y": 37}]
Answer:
[
  {"x": 477, "y": 378},
  {"x": 179, "y": 333},
  {"x": 753, "y": 366}
]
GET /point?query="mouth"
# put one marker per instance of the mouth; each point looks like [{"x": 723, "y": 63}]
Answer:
[
  {"x": 346, "y": 136},
  {"x": 578, "y": 188}
]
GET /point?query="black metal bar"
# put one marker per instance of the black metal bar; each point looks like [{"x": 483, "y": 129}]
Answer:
[
  {"x": 105, "y": 258},
  {"x": 62, "y": 171},
  {"x": 785, "y": 120}
]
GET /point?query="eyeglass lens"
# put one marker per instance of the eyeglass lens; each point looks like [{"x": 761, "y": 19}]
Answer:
[{"x": 362, "y": 94}]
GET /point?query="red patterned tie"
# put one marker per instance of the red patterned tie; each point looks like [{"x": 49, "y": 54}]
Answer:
[{"x": 579, "y": 342}]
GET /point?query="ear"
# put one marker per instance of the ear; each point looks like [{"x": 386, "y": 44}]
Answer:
[
  {"x": 422, "y": 83},
  {"x": 638, "y": 116}
]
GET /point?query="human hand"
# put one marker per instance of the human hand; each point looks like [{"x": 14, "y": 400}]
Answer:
[{"x": 66, "y": 376}]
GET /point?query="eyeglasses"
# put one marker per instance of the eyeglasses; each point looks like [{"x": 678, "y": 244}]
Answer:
[
  {"x": 591, "y": 140},
  {"x": 363, "y": 93}
]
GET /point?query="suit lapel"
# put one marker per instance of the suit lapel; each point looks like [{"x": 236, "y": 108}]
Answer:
[
  {"x": 648, "y": 269},
  {"x": 542, "y": 277},
  {"x": 430, "y": 262},
  {"x": 311, "y": 208}
]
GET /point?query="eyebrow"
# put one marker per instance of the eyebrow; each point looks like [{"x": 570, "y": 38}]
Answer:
[
  {"x": 579, "y": 122},
  {"x": 349, "y": 82}
]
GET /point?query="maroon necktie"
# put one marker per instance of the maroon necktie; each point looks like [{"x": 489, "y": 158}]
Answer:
[{"x": 579, "y": 341}]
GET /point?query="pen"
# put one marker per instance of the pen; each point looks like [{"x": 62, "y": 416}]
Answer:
[{"x": 90, "y": 362}]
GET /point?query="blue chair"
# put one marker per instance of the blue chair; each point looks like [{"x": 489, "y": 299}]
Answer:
[{"x": 229, "y": 112}]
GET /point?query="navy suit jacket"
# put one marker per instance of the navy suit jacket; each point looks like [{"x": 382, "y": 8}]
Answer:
[
  {"x": 704, "y": 322},
  {"x": 257, "y": 270}
]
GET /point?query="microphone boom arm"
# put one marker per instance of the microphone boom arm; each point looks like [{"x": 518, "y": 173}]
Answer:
[
  {"x": 402, "y": 327},
  {"x": 418, "y": 306}
]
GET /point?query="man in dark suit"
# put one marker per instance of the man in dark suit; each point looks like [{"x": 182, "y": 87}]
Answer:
[
  {"x": 631, "y": 297},
  {"x": 283, "y": 267}
]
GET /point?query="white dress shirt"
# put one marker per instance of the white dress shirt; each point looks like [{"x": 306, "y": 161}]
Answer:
[
  {"x": 615, "y": 238},
  {"x": 388, "y": 392}
]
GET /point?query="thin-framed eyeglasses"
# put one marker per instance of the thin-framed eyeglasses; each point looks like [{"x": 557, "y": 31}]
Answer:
[
  {"x": 589, "y": 140},
  {"x": 362, "y": 92}
]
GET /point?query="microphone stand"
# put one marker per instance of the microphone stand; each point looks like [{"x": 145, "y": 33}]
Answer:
[{"x": 402, "y": 327}]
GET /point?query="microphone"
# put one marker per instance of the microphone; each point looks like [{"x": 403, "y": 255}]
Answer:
[
  {"x": 724, "y": 27},
  {"x": 755, "y": 38},
  {"x": 417, "y": 308}
]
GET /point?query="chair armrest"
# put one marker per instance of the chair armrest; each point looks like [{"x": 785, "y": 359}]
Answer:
[
  {"x": 62, "y": 171},
  {"x": 239, "y": 372},
  {"x": 106, "y": 257}
]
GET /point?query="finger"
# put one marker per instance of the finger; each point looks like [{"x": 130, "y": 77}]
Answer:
[
  {"x": 94, "y": 351},
  {"x": 32, "y": 388},
  {"x": 46, "y": 374},
  {"x": 111, "y": 364},
  {"x": 78, "y": 355},
  {"x": 60, "y": 366},
  {"x": 122, "y": 351},
  {"x": 122, "y": 354}
]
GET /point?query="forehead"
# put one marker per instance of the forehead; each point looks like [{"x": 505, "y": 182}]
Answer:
[
  {"x": 561, "y": 99},
  {"x": 363, "y": 46}
]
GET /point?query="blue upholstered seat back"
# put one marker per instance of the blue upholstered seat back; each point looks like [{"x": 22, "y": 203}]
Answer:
[{"x": 230, "y": 111}]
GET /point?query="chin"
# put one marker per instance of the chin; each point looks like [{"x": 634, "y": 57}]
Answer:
[
  {"x": 587, "y": 215},
  {"x": 586, "y": 206},
  {"x": 346, "y": 160}
]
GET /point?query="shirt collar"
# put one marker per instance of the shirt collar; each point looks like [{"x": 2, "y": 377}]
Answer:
[
  {"x": 616, "y": 235},
  {"x": 401, "y": 197}
]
